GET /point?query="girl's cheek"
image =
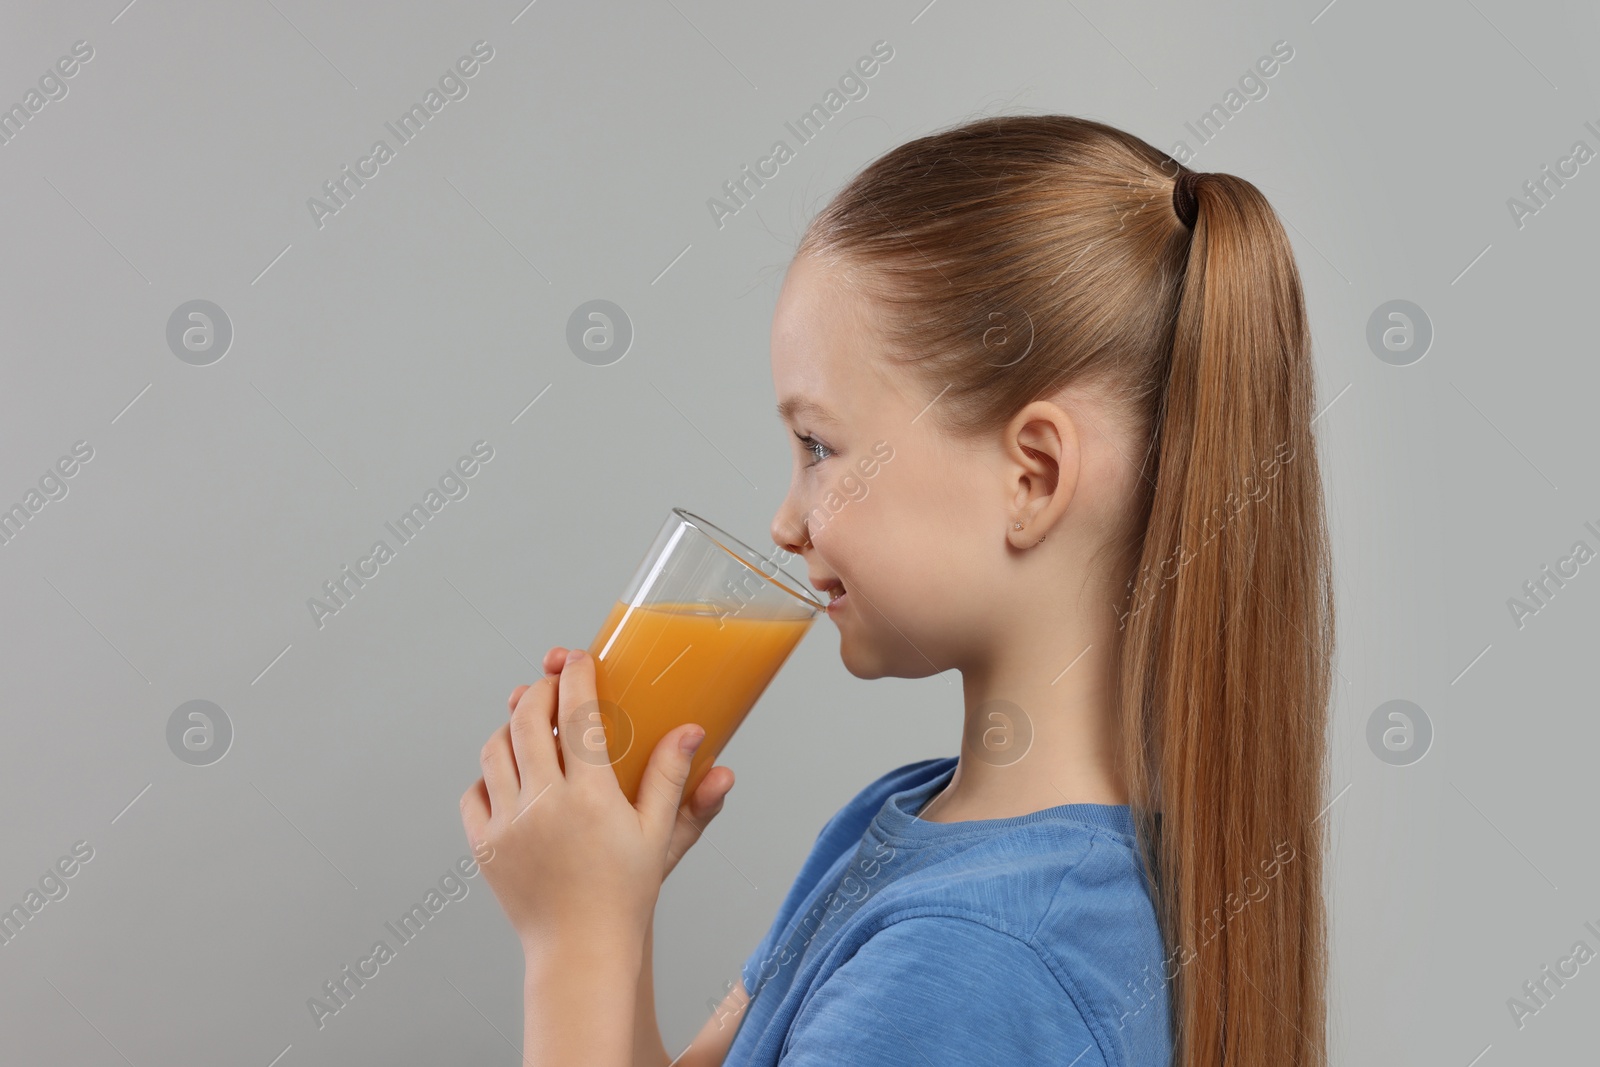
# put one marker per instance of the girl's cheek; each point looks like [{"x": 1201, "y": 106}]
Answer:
[{"x": 853, "y": 488}]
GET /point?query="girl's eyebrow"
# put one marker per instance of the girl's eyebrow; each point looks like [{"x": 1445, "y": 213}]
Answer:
[{"x": 800, "y": 405}]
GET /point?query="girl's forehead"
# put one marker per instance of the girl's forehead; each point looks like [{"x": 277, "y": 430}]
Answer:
[
  {"x": 828, "y": 349},
  {"x": 817, "y": 343}
]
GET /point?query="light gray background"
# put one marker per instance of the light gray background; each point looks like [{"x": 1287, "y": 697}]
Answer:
[{"x": 369, "y": 354}]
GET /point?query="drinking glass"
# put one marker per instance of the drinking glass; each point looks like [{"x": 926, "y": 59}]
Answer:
[{"x": 704, "y": 625}]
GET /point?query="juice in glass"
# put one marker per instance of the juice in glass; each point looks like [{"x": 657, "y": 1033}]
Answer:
[
  {"x": 667, "y": 664},
  {"x": 696, "y": 636}
]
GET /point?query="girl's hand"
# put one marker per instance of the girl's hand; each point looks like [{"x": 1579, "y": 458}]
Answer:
[
  {"x": 571, "y": 859},
  {"x": 694, "y": 816}
]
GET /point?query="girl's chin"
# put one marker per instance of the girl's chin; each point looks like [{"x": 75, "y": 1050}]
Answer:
[{"x": 862, "y": 660}]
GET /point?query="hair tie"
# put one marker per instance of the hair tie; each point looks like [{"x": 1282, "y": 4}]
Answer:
[{"x": 1183, "y": 198}]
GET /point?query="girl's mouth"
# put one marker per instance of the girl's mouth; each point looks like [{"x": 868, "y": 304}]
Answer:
[{"x": 835, "y": 590}]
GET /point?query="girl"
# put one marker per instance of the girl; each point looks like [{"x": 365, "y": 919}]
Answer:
[{"x": 1050, "y": 395}]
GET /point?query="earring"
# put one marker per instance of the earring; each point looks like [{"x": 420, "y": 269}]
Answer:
[{"x": 1016, "y": 526}]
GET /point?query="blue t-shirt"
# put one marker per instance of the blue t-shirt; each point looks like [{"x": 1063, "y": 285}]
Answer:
[{"x": 1028, "y": 940}]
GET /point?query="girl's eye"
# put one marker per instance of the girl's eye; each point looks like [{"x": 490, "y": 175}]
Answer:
[{"x": 812, "y": 447}]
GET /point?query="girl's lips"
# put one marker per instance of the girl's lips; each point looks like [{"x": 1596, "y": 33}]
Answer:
[
  {"x": 837, "y": 602},
  {"x": 828, "y": 586}
]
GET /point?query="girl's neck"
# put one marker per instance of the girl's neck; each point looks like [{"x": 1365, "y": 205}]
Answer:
[{"x": 1035, "y": 739}]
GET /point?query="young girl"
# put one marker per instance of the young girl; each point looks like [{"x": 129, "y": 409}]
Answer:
[{"x": 1050, "y": 395}]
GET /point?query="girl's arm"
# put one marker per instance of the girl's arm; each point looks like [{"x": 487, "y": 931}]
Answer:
[
  {"x": 574, "y": 995},
  {"x": 709, "y": 1047},
  {"x": 648, "y": 1050},
  {"x": 578, "y": 1004}
]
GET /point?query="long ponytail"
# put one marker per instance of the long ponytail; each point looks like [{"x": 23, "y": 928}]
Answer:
[
  {"x": 1227, "y": 651},
  {"x": 1225, "y": 632}
]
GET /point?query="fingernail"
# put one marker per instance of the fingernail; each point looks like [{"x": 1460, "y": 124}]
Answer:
[
  {"x": 691, "y": 741},
  {"x": 574, "y": 655}
]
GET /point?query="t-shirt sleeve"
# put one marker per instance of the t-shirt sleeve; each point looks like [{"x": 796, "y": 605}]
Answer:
[{"x": 936, "y": 991}]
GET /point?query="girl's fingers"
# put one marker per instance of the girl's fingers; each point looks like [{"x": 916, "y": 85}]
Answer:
[
  {"x": 553, "y": 660},
  {"x": 698, "y": 812},
  {"x": 583, "y": 737},
  {"x": 711, "y": 792},
  {"x": 500, "y": 776},
  {"x": 532, "y": 741}
]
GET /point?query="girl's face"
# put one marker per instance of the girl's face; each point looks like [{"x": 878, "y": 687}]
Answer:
[{"x": 909, "y": 521}]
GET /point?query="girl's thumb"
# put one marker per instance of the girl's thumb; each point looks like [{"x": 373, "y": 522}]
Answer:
[{"x": 661, "y": 789}]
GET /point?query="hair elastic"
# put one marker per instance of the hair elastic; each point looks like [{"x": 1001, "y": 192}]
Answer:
[{"x": 1183, "y": 198}]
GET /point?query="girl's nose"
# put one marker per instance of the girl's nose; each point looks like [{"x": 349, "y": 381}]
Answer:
[{"x": 788, "y": 535}]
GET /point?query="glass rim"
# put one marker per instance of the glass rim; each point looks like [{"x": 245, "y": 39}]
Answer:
[{"x": 719, "y": 537}]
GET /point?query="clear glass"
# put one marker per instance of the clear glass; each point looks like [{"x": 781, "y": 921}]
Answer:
[{"x": 703, "y": 626}]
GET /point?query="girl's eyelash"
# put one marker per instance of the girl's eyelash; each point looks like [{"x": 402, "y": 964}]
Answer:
[{"x": 810, "y": 443}]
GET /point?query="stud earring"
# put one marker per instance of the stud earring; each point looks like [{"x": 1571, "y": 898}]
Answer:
[{"x": 1016, "y": 526}]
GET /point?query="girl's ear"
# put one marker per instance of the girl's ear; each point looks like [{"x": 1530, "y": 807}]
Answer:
[{"x": 1041, "y": 450}]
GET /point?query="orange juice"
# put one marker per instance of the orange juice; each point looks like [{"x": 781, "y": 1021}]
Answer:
[{"x": 667, "y": 664}]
